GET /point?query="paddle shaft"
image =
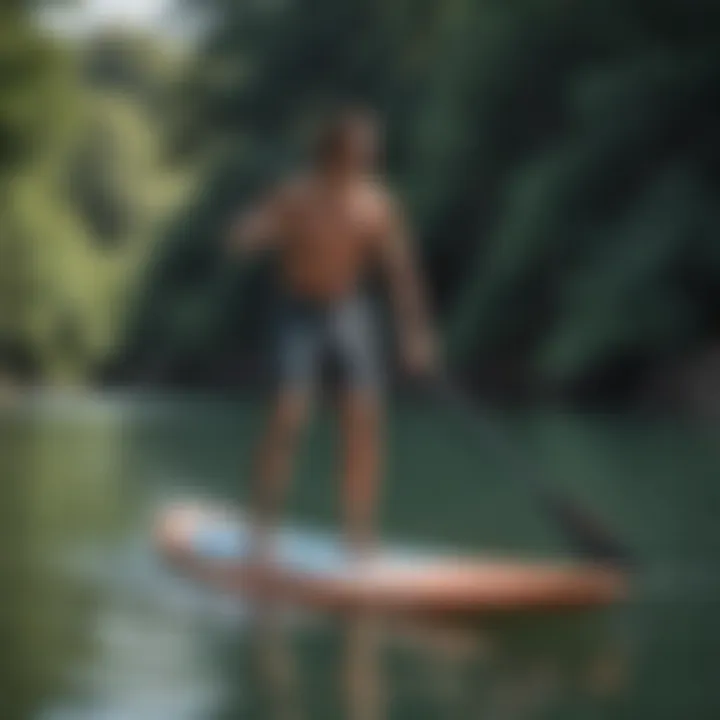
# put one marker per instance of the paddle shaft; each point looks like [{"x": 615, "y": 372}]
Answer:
[{"x": 583, "y": 530}]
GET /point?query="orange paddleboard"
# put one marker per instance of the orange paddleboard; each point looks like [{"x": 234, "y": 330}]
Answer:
[{"x": 312, "y": 569}]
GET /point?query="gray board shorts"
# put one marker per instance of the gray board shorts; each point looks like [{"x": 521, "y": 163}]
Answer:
[{"x": 312, "y": 338}]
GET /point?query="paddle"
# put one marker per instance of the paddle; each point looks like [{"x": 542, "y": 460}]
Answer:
[{"x": 588, "y": 536}]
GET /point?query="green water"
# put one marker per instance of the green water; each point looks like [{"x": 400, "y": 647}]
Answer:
[{"x": 91, "y": 628}]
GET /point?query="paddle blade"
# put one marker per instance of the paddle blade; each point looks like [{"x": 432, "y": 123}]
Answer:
[{"x": 588, "y": 536}]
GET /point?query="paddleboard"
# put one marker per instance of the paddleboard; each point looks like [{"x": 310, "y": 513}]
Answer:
[{"x": 313, "y": 569}]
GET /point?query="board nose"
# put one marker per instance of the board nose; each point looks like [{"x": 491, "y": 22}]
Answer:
[{"x": 174, "y": 530}]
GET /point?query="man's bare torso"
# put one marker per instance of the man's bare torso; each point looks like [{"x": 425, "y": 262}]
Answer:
[{"x": 329, "y": 235}]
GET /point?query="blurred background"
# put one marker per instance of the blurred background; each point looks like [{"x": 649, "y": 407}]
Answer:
[{"x": 560, "y": 162}]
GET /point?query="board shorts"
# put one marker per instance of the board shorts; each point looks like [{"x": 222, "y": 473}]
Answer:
[{"x": 312, "y": 337}]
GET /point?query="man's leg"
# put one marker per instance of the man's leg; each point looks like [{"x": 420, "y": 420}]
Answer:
[
  {"x": 298, "y": 344},
  {"x": 274, "y": 461},
  {"x": 361, "y": 414},
  {"x": 361, "y": 420}
]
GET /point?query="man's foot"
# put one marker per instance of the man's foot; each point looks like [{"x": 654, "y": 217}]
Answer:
[
  {"x": 362, "y": 556},
  {"x": 261, "y": 548}
]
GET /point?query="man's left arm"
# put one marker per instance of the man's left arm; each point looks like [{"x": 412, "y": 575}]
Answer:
[{"x": 418, "y": 345}]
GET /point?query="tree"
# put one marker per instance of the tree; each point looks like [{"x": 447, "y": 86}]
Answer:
[{"x": 84, "y": 182}]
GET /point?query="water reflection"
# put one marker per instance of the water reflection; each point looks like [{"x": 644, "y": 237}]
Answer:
[
  {"x": 383, "y": 670},
  {"x": 58, "y": 485}
]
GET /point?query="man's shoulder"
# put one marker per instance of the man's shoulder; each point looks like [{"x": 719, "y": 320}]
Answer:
[
  {"x": 377, "y": 189},
  {"x": 377, "y": 196}
]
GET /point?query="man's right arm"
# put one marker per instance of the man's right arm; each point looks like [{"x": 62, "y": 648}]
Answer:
[{"x": 257, "y": 228}]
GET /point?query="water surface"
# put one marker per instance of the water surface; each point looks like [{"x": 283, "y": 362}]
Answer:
[{"x": 92, "y": 627}]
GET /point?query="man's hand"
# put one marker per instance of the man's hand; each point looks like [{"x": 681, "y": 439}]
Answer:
[
  {"x": 419, "y": 353},
  {"x": 258, "y": 227}
]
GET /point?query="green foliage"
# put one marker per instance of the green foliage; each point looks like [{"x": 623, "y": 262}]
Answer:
[{"x": 83, "y": 185}]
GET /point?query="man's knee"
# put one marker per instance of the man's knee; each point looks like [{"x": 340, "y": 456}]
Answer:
[
  {"x": 362, "y": 417},
  {"x": 288, "y": 420},
  {"x": 362, "y": 404}
]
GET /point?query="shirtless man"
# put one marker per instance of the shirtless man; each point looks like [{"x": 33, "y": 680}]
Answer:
[{"x": 330, "y": 227}]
